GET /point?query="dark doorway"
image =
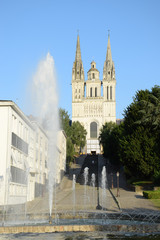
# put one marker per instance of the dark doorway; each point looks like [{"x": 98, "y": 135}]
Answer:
[{"x": 93, "y": 152}]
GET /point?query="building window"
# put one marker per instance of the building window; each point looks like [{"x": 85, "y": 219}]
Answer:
[
  {"x": 41, "y": 141},
  {"x": 93, "y": 130},
  {"x": 36, "y": 155},
  {"x": 14, "y": 123},
  {"x": 93, "y": 76},
  {"x": 19, "y": 143},
  {"x": 107, "y": 93},
  {"x": 37, "y": 137},
  {"x": 45, "y": 163},
  {"x": 18, "y": 175},
  {"x": 90, "y": 92},
  {"x": 46, "y": 146},
  {"x": 95, "y": 92},
  {"x": 111, "y": 93},
  {"x": 40, "y": 158}
]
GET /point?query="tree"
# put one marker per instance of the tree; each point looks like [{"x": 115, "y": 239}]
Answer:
[
  {"x": 150, "y": 110},
  {"x": 136, "y": 142},
  {"x": 138, "y": 153},
  {"x": 104, "y": 137},
  {"x": 64, "y": 121},
  {"x": 78, "y": 135},
  {"x": 140, "y": 144},
  {"x": 109, "y": 138},
  {"x": 65, "y": 125},
  {"x": 75, "y": 132},
  {"x": 70, "y": 151}
]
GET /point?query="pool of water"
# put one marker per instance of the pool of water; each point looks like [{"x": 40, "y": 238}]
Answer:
[
  {"x": 76, "y": 236},
  {"x": 93, "y": 221}
]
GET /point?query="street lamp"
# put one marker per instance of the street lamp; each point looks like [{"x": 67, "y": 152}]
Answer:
[
  {"x": 112, "y": 180},
  {"x": 118, "y": 195}
]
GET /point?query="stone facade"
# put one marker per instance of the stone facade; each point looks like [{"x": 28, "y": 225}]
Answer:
[{"x": 93, "y": 100}]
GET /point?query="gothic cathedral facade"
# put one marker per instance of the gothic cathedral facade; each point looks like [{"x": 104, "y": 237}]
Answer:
[{"x": 93, "y": 100}]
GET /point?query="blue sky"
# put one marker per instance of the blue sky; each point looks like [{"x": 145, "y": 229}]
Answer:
[{"x": 29, "y": 29}]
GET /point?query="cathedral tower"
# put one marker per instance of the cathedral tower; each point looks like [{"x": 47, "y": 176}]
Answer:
[
  {"x": 77, "y": 85},
  {"x": 109, "y": 86},
  {"x": 93, "y": 84},
  {"x": 77, "y": 76},
  {"x": 94, "y": 109}
]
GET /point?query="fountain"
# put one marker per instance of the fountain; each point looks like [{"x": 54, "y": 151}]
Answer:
[
  {"x": 74, "y": 193},
  {"x": 85, "y": 186},
  {"x": 104, "y": 186},
  {"x": 63, "y": 205},
  {"x": 93, "y": 181},
  {"x": 46, "y": 107}
]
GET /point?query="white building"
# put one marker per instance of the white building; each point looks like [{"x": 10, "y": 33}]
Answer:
[
  {"x": 24, "y": 156},
  {"x": 61, "y": 146},
  {"x": 93, "y": 100},
  {"x": 39, "y": 170}
]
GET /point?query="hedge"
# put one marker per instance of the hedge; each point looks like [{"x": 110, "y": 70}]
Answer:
[{"x": 152, "y": 194}]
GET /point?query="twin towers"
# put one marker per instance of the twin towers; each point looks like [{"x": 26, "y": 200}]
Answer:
[{"x": 93, "y": 100}]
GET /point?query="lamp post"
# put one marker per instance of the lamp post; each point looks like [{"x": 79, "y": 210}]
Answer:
[
  {"x": 118, "y": 195},
  {"x": 98, "y": 207},
  {"x": 112, "y": 180}
]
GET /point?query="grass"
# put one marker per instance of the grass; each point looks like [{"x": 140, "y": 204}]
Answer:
[
  {"x": 152, "y": 194},
  {"x": 156, "y": 202}
]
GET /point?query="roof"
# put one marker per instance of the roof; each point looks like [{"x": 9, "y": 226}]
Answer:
[
  {"x": 93, "y": 70},
  {"x": 14, "y": 106}
]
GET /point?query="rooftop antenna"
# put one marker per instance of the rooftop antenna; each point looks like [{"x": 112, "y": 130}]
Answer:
[{"x": 108, "y": 33}]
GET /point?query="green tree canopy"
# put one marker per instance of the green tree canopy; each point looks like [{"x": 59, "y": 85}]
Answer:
[
  {"x": 136, "y": 142},
  {"x": 78, "y": 134},
  {"x": 75, "y": 132},
  {"x": 140, "y": 144},
  {"x": 109, "y": 138},
  {"x": 64, "y": 121}
]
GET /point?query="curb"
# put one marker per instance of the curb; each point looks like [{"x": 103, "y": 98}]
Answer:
[{"x": 115, "y": 199}]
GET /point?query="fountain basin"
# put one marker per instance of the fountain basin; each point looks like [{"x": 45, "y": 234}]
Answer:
[
  {"x": 110, "y": 228},
  {"x": 112, "y": 223}
]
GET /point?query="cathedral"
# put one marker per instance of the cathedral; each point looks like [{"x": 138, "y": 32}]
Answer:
[{"x": 93, "y": 100}]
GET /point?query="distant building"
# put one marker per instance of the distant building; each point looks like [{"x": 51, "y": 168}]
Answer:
[
  {"x": 24, "y": 156},
  {"x": 119, "y": 121},
  {"x": 93, "y": 100}
]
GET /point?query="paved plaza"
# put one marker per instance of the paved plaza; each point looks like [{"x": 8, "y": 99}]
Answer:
[{"x": 85, "y": 198}]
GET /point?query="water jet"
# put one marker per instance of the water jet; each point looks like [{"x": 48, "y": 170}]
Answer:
[
  {"x": 69, "y": 209},
  {"x": 50, "y": 220}
]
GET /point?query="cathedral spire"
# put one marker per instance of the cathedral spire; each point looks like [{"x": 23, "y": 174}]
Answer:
[
  {"x": 108, "y": 69},
  {"x": 77, "y": 70},
  {"x": 78, "y": 50},
  {"x": 109, "y": 55}
]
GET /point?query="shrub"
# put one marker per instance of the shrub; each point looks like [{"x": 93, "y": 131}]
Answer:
[
  {"x": 143, "y": 183},
  {"x": 152, "y": 194}
]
